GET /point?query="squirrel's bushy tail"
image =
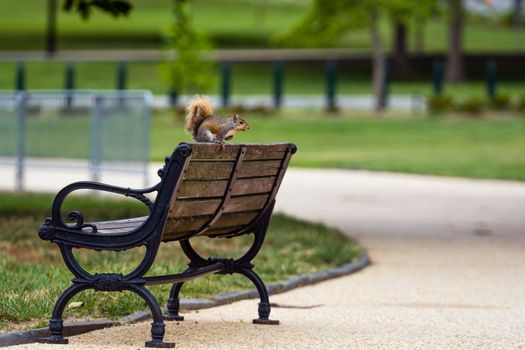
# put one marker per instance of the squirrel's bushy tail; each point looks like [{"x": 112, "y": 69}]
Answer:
[{"x": 198, "y": 109}]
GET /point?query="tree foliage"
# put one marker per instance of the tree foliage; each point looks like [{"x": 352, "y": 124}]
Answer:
[
  {"x": 185, "y": 68},
  {"x": 325, "y": 21},
  {"x": 404, "y": 11}
]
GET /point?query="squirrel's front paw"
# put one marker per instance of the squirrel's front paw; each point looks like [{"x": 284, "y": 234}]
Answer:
[{"x": 220, "y": 143}]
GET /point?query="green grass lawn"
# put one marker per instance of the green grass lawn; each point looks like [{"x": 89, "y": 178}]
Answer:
[
  {"x": 32, "y": 273},
  {"x": 230, "y": 23},
  {"x": 487, "y": 146},
  {"x": 490, "y": 147}
]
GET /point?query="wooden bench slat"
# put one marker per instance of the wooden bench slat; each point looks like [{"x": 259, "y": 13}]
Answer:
[
  {"x": 117, "y": 224},
  {"x": 217, "y": 232},
  {"x": 209, "y": 188},
  {"x": 253, "y": 185},
  {"x": 216, "y": 188},
  {"x": 208, "y": 171},
  {"x": 259, "y": 168},
  {"x": 222, "y": 170},
  {"x": 198, "y": 207},
  {"x": 115, "y": 230},
  {"x": 253, "y": 152},
  {"x": 183, "y": 225}
]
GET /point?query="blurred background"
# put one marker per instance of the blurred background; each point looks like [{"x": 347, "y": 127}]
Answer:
[
  {"x": 96, "y": 90},
  {"x": 430, "y": 87},
  {"x": 248, "y": 42}
]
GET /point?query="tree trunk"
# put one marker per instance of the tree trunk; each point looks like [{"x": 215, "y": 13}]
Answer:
[
  {"x": 517, "y": 24},
  {"x": 378, "y": 77},
  {"x": 454, "y": 72},
  {"x": 401, "y": 62},
  {"x": 518, "y": 13},
  {"x": 419, "y": 35},
  {"x": 51, "y": 27}
]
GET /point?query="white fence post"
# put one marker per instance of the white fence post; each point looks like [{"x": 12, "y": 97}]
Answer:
[
  {"x": 21, "y": 105},
  {"x": 96, "y": 142}
]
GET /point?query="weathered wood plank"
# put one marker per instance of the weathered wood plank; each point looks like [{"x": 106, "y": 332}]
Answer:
[
  {"x": 264, "y": 152},
  {"x": 113, "y": 231},
  {"x": 230, "y": 151},
  {"x": 196, "y": 189},
  {"x": 253, "y": 185},
  {"x": 245, "y": 203},
  {"x": 116, "y": 224},
  {"x": 197, "y": 207},
  {"x": 188, "y": 224},
  {"x": 217, "y": 188},
  {"x": 214, "y": 151},
  {"x": 223, "y": 170},
  {"x": 259, "y": 168},
  {"x": 217, "y": 232},
  {"x": 208, "y": 171}
]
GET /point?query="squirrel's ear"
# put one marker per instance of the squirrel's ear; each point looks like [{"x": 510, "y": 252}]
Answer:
[{"x": 236, "y": 118}]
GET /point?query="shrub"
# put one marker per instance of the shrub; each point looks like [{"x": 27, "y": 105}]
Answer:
[
  {"x": 520, "y": 104},
  {"x": 438, "y": 104},
  {"x": 471, "y": 105},
  {"x": 245, "y": 110},
  {"x": 500, "y": 102}
]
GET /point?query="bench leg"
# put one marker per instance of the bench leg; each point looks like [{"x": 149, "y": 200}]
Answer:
[
  {"x": 56, "y": 324},
  {"x": 157, "y": 327},
  {"x": 264, "y": 305},
  {"x": 174, "y": 303}
]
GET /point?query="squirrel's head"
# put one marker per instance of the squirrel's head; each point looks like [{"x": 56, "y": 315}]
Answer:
[{"x": 240, "y": 124}]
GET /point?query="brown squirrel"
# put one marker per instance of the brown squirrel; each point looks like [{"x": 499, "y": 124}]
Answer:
[{"x": 206, "y": 127}]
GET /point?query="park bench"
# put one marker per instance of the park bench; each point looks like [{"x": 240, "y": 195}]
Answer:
[{"x": 204, "y": 190}]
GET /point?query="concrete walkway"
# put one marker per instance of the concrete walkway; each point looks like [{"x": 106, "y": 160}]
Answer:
[{"x": 448, "y": 272}]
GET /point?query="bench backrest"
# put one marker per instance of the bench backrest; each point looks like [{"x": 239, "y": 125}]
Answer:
[{"x": 222, "y": 191}]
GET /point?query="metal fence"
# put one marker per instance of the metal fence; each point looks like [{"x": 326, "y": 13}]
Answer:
[{"x": 102, "y": 131}]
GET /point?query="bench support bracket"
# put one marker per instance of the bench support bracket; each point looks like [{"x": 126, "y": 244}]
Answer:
[
  {"x": 106, "y": 282},
  {"x": 241, "y": 266}
]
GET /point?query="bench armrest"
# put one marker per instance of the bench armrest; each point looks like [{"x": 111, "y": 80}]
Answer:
[{"x": 77, "y": 216}]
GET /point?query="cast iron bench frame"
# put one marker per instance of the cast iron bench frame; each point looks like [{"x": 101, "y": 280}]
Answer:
[{"x": 150, "y": 231}]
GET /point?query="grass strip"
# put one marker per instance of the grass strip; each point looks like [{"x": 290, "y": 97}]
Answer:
[
  {"x": 32, "y": 274},
  {"x": 489, "y": 147}
]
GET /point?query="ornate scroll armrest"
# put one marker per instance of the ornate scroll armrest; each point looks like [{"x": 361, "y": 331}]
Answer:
[{"x": 56, "y": 220}]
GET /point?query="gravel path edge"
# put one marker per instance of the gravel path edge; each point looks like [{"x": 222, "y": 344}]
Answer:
[{"x": 80, "y": 327}]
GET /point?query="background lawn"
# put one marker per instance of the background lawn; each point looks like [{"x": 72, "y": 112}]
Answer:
[
  {"x": 487, "y": 146},
  {"x": 230, "y": 24},
  {"x": 32, "y": 273},
  {"x": 490, "y": 147}
]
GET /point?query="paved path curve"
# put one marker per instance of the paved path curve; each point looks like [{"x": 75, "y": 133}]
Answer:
[{"x": 448, "y": 272}]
